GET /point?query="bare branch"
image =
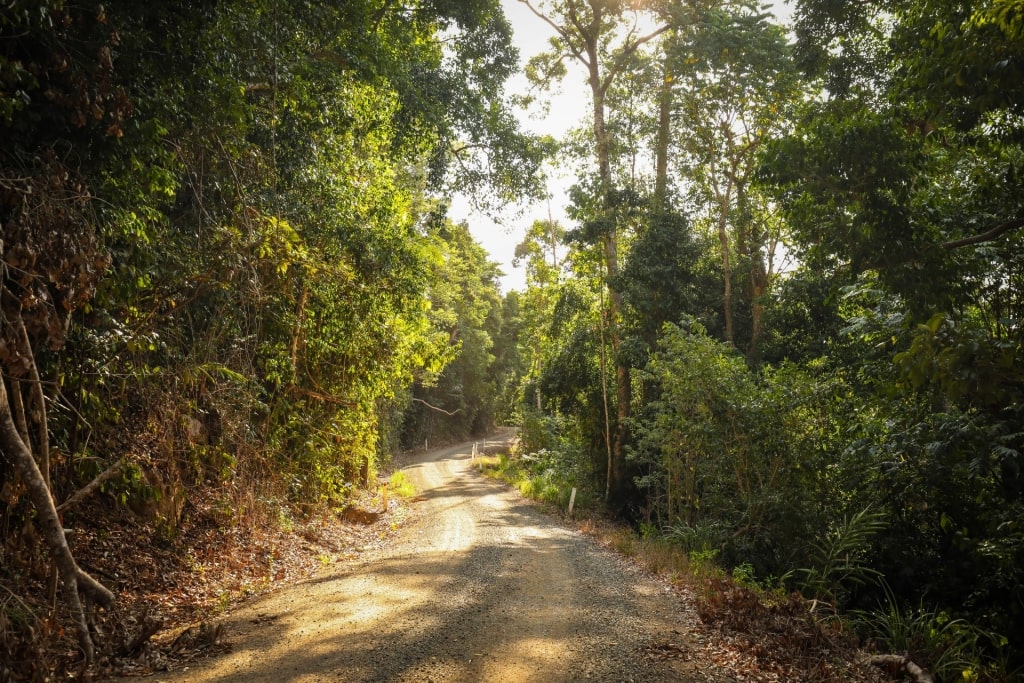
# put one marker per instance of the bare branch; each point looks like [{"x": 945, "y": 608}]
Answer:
[
  {"x": 38, "y": 397},
  {"x": 440, "y": 410},
  {"x": 558, "y": 29},
  {"x": 93, "y": 486}
]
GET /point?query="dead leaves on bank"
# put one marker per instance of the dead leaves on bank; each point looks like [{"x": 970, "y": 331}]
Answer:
[
  {"x": 744, "y": 636},
  {"x": 782, "y": 640},
  {"x": 170, "y": 588}
]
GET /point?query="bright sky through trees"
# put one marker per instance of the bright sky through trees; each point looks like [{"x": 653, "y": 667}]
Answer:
[{"x": 567, "y": 108}]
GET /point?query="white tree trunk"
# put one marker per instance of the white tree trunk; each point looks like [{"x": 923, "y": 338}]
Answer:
[{"x": 73, "y": 578}]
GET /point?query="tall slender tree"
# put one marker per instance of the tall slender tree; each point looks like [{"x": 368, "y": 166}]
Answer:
[
  {"x": 737, "y": 87},
  {"x": 601, "y": 37}
]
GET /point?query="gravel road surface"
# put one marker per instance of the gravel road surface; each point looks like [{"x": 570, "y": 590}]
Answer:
[{"x": 480, "y": 586}]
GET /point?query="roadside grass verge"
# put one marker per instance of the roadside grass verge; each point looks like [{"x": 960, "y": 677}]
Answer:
[
  {"x": 399, "y": 485},
  {"x": 537, "y": 476}
]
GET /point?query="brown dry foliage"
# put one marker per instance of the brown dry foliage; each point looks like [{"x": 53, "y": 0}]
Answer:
[
  {"x": 784, "y": 636},
  {"x": 169, "y": 585},
  {"x": 754, "y": 635}
]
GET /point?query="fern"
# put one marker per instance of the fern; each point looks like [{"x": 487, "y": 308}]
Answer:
[{"x": 838, "y": 558}]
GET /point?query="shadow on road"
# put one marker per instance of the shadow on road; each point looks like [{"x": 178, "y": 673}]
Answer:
[{"x": 484, "y": 587}]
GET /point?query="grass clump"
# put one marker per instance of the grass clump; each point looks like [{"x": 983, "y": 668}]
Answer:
[
  {"x": 952, "y": 649},
  {"x": 399, "y": 485},
  {"x": 506, "y": 469}
]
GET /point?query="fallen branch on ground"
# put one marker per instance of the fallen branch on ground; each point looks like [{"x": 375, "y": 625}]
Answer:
[
  {"x": 899, "y": 662},
  {"x": 148, "y": 627},
  {"x": 93, "y": 486}
]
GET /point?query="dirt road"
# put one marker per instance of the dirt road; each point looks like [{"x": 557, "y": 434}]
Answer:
[{"x": 481, "y": 586}]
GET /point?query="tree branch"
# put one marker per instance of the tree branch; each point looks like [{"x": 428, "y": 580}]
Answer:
[
  {"x": 440, "y": 410},
  {"x": 379, "y": 15},
  {"x": 899, "y": 662},
  {"x": 93, "y": 486},
  {"x": 74, "y": 578},
  {"x": 629, "y": 49},
  {"x": 558, "y": 29},
  {"x": 18, "y": 408},
  {"x": 38, "y": 397},
  {"x": 986, "y": 236}
]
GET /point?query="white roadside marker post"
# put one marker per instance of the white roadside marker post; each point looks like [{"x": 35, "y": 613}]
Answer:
[{"x": 572, "y": 500}]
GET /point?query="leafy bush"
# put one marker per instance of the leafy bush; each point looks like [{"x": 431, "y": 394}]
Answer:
[
  {"x": 538, "y": 432},
  {"x": 546, "y": 475},
  {"x": 734, "y": 459}
]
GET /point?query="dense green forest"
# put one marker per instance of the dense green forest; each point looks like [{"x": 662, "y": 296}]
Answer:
[
  {"x": 783, "y": 325},
  {"x": 780, "y": 328},
  {"x": 226, "y": 267}
]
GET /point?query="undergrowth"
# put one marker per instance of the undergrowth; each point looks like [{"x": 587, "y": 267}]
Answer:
[
  {"x": 231, "y": 543},
  {"x": 780, "y": 629},
  {"x": 953, "y": 648},
  {"x": 547, "y": 475}
]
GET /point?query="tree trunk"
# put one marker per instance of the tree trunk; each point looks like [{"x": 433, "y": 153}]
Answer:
[
  {"x": 758, "y": 288},
  {"x": 607, "y": 416},
  {"x": 74, "y": 579},
  {"x": 749, "y": 242},
  {"x": 583, "y": 30},
  {"x": 664, "y": 135},
  {"x": 723, "y": 237},
  {"x": 690, "y": 490},
  {"x": 611, "y": 254},
  {"x": 296, "y": 340}
]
